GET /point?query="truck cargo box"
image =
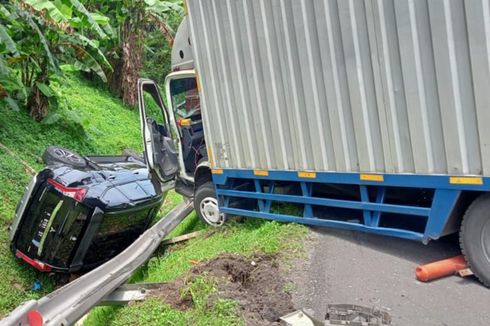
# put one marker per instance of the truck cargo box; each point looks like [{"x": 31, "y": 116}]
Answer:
[{"x": 345, "y": 86}]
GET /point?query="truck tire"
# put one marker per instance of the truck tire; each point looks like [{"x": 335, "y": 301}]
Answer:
[
  {"x": 206, "y": 205},
  {"x": 59, "y": 155},
  {"x": 474, "y": 238}
]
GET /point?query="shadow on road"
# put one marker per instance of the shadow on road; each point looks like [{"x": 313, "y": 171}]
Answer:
[{"x": 408, "y": 250}]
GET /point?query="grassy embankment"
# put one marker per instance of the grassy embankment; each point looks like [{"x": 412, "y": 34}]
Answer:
[{"x": 114, "y": 127}]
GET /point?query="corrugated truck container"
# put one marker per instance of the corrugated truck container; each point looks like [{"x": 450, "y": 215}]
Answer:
[
  {"x": 367, "y": 115},
  {"x": 370, "y": 86}
]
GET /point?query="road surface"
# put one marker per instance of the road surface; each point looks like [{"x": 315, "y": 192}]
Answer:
[{"x": 369, "y": 270}]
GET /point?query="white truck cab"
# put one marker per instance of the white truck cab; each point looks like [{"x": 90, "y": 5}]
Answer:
[{"x": 173, "y": 134}]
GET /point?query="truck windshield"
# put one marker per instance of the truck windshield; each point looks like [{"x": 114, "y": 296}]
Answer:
[
  {"x": 187, "y": 111},
  {"x": 185, "y": 97}
]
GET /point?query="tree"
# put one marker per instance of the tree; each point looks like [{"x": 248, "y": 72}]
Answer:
[
  {"x": 133, "y": 20},
  {"x": 36, "y": 37},
  {"x": 157, "y": 57}
]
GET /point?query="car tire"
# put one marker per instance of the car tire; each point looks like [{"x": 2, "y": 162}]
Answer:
[
  {"x": 474, "y": 238},
  {"x": 58, "y": 155},
  {"x": 206, "y": 205}
]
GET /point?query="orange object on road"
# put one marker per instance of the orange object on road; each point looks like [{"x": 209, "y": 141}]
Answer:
[{"x": 441, "y": 268}]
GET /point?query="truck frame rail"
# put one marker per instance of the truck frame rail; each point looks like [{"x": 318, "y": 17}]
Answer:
[{"x": 368, "y": 211}]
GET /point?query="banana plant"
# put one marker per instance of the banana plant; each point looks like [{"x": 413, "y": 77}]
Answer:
[
  {"x": 132, "y": 21},
  {"x": 36, "y": 38}
]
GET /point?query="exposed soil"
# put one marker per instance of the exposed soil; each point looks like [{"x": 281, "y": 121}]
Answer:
[
  {"x": 170, "y": 293},
  {"x": 255, "y": 282}
]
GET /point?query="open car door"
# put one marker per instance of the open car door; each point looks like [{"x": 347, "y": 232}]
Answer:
[{"x": 160, "y": 153}]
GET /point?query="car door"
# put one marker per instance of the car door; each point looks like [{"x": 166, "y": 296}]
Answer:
[{"x": 160, "y": 153}]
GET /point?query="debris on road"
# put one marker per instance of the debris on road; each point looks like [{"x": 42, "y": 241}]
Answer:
[
  {"x": 441, "y": 268},
  {"x": 186, "y": 237},
  {"x": 341, "y": 314},
  {"x": 301, "y": 318},
  {"x": 37, "y": 286},
  {"x": 465, "y": 272},
  {"x": 349, "y": 314}
]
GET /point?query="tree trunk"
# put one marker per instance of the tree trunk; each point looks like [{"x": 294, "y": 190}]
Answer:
[
  {"x": 132, "y": 57},
  {"x": 37, "y": 102},
  {"x": 114, "y": 77}
]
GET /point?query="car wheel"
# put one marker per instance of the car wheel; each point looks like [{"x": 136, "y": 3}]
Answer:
[
  {"x": 59, "y": 155},
  {"x": 206, "y": 205},
  {"x": 474, "y": 238}
]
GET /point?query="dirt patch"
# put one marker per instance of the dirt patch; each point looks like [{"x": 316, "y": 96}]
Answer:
[
  {"x": 255, "y": 282},
  {"x": 171, "y": 294}
]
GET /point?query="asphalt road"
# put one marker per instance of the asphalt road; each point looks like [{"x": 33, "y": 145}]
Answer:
[{"x": 369, "y": 270}]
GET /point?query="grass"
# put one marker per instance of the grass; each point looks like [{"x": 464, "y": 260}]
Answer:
[
  {"x": 113, "y": 127},
  {"x": 153, "y": 311},
  {"x": 246, "y": 238}
]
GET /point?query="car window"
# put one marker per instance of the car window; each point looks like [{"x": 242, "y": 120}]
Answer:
[{"x": 152, "y": 109}]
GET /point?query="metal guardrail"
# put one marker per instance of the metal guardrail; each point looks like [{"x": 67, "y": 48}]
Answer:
[{"x": 69, "y": 303}]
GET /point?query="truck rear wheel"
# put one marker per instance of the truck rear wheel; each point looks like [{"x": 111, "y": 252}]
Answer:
[
  {"x": 474, "y": 238},
  {"x": 206, "y": 205}
]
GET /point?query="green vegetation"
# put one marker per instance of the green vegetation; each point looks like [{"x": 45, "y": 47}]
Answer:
[
  {"x": 104, "y": 39},
  {"x": 116, "y": 126},
  {"x": 109, "y": 44},
  {"x": 155, "y": 312},
  {"x": 113, "y": 127},
  {"x": 157, "y": 52},
  {"x": 245, "y": 238},
  {"x": 36, "y": 36}
]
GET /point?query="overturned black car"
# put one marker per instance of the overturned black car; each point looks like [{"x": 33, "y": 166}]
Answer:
[{"x": 81, "y": 211}]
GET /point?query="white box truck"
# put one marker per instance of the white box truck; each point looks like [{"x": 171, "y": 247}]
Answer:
[{"x": 369, "y": 115}]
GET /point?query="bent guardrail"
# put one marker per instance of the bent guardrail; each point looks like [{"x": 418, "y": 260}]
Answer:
[{"x": 69, "y": 303}]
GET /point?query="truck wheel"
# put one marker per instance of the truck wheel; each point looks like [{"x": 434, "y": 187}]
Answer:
[
  {"x": 206, "y": 205},
  {"x": 60, "y": 155},
  {"x": 474, "y": 238}
]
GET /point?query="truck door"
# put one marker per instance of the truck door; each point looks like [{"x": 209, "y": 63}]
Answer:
[{"x": 160, "y": 153}]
